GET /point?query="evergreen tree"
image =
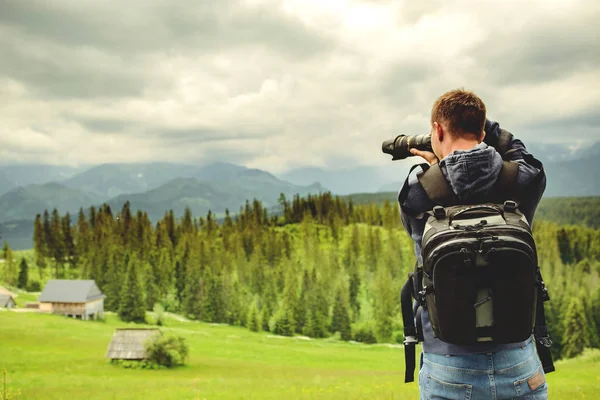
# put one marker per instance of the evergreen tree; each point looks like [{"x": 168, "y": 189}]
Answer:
[
  {"x": 181, "y": 266},
  {"x": 193, "y": 294},
  {"x": 151, "y": 287},
  {"x": 23, "y": 275},
  {"x": 284, "y": 322},
  {"x": 40, "y": 245},
  {"x": 340, "y": 320},
  {"x": 10, "y": 267},
  {"x": 385, "y": 304},
  {"x": 68, "y": 242},
  {"x": 114, "y": 278},
  {"x": 253, "y": 320},
  {"x": 214, "y": 305},
  {"x": 575, "y": 327},
  {"x": 132, "y": 300},
  {"x": 57, "y": 243},
  {"x": 301, "y": 309}
]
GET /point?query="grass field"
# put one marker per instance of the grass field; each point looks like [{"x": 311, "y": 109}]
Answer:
[{"x": 51, "y": 357}]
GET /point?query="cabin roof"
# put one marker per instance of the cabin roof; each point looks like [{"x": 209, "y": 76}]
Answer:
[
  {"x": 70, "y": 291},
  {"x": 5, "y": 299},
  {"x": 128, "y": 343}
]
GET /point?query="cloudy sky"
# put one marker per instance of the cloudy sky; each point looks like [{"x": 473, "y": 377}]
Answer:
[{"x": 280, "y": 84}]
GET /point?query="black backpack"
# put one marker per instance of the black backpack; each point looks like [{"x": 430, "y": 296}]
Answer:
[{"x": 480, "y": 278}]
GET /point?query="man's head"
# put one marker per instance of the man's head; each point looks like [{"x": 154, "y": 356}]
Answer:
[{"x": 457, "y": 122}]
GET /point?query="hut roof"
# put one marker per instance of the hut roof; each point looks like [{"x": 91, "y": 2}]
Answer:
[
  {"x": 128, "y": 343},
  {"x": 5, "y": 299},
  {"x": 70, "y": 291}
]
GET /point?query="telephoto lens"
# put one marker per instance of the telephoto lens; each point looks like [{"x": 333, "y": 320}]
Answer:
[{"x": 400, "y": 146}]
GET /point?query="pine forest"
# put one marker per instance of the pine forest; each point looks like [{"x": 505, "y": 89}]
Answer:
[{"x": 321, "y": 267}]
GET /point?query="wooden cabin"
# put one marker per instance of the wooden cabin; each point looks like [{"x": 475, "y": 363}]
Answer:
[
  {"x": 80, "y": 299},
  {"x": 7, "y": 301},
  {"x": 128, "y": 343}
]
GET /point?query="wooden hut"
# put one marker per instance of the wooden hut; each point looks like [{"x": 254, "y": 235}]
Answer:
[
  {"x": 128, "y": 343},
  {"x": 79, "y": 299},
  {"x": 7, "y": 301}
]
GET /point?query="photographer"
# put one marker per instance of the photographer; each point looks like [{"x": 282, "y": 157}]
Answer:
[{"x": 465, "y": 146}]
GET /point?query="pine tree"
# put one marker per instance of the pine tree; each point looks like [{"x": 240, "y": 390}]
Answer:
[
  {"x": 318, "y": 311},
  {"x": 269, "y": 302},
  {"x": 340, "y": 320},
  {"x": 40, "y": 244},
  {"x": 301, "y": 309},
  {"x": 114, "y": 277},
  {"x": 132, "y": 300},
  {"x": 385, "y": 304},
  {"x": 214, "y": 305},
  {"x": 57, "y": 243},
  {"x": 253, "y": 321},
  {"x": 181, "y": 266},
  {"x": 23, "y": 274},
  {"x": 575, "y": 327},
  {"x": 284, "y": 322},
  {"x": 151, "y": 287},
  {"x": 194, "y": 292},
  {"x": 10, "y": 267},
  {"x": 69, "y": 251}
]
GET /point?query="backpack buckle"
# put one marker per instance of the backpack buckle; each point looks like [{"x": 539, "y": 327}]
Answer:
[
  {"x": 439, "y": 212},
  {"x": 545, "y": 341},
  {"x": 510, "y": 206}
]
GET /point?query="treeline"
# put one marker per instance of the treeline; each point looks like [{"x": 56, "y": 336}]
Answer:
[
  {"x": 571, "y": 210},
  {"x": 324, "y": 266}
]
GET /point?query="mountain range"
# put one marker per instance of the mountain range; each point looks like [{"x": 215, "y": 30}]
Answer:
[{"x": 26, "y": 190}]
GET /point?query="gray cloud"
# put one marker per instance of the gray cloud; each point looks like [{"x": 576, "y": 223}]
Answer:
[
  {"x": 547, "y": 48},
  {"x": 277, "y": 84}
]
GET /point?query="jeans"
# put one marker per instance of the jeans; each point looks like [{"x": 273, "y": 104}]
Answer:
[{"x": 509, "y": 374}]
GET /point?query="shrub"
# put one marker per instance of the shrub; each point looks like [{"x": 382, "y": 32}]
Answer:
[
  {"x": 364, "y": 332},
  {"x": 34, "y": 286},
  {"x": 168, "y": 351},
  {"x": 160, "y": 314},
  {"x": 134, "y": 364}
]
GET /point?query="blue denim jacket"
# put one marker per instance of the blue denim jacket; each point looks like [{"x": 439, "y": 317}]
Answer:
[{"x": 471, "y": 173}]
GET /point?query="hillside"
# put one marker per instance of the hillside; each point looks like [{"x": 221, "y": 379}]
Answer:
[
  {"x": 224, "y": 362},
  {"x": 26, "y": 202},
  {"x": 12, "y": 176},
  {"x": 573, "y": 177},
  {"x": 202, "y": 196},
  {"x": 6, "y": 184},
  {"x": 156, "y": 187},
  {"x": 111, "y": 180}
]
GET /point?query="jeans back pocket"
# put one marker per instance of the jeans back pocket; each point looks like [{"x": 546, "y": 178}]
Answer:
[{"x": 436, "y": 389}]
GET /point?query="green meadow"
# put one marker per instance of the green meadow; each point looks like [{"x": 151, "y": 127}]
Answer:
[{"x": 52, "y": 357}]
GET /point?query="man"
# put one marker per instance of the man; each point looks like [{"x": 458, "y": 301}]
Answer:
[{"x": 462, "y": 139}]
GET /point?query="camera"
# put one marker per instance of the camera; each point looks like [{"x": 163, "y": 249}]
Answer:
[{"x": 400, "y": 146}]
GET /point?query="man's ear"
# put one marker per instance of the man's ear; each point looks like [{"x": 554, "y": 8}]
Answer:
[
  {"x": 439, "y": 130},
  {"x": 482, "y": 136}
]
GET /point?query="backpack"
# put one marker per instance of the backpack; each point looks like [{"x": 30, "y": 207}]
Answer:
[{"x": 479, "y": 277}]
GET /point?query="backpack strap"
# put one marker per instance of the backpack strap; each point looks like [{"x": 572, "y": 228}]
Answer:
[
  {"x": 402, "y": 196},
  {"x": 436, "y": 186},
  {"x": 542, "y": 337},
  {"x": 506, "y": 186},
  {"x": 410, "y": 331}
]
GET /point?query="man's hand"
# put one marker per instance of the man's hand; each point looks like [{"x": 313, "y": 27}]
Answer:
[{"x": 427, "y": 155}]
